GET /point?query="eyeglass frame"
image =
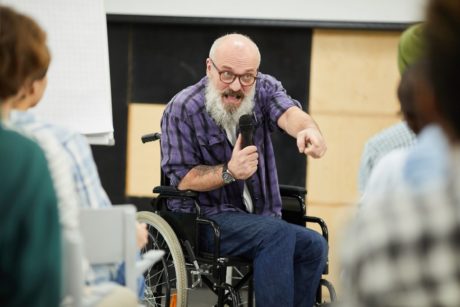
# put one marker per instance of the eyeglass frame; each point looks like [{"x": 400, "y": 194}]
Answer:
[{"x": 234, "y": 75}]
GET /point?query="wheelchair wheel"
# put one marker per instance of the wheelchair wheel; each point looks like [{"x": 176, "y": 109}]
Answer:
[{"x": 166, "y": 281}]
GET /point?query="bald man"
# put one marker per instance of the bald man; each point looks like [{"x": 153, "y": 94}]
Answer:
[{"x": 238, "y": 187}]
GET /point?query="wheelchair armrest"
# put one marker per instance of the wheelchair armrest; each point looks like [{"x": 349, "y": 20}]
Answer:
[
  {"x": 291, "y": 190},
  {"x": 167, "y": 192},
  {"x": 321, "y": 223},
  {"x": 324, "y": 233},
  {"x": 294, "y": 192},
  {"x": 173, "y": 192}
]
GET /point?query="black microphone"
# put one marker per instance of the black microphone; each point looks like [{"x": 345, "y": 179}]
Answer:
[{"x": 247, "y": 130}]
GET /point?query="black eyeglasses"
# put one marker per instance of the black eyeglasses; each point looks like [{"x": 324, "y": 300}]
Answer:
[{"x": 228, "y": 77}]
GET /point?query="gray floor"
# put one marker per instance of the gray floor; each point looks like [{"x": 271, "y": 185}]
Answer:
[{"x": 203, "y": 297}]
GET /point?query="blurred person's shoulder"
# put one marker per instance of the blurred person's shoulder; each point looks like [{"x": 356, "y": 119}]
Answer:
[
  {"x": 16, "y": 146},
  {"x": 385, "y": 179},
  {"x": 396, "y": 136},
  {"x": 427, "y": 163},
  {"x": 45, "y": 133},
  {"x": 23, "y": 164}
]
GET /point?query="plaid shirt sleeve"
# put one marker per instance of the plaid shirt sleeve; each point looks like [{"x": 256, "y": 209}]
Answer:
[{"x": 179, "y": 145}]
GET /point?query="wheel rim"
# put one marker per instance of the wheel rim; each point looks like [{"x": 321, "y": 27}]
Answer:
[{"x": 159, "y": 279}]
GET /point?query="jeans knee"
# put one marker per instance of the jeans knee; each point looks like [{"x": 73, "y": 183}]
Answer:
[
  {"x": 325, "y": 246},
  {"x": 311, "y": 245},
  {"x": 277, "y": 233},
  {"x": 321, "y": 246}
]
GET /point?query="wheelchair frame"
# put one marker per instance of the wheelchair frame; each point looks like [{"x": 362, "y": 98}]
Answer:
[{"x": 167, "y": 232}]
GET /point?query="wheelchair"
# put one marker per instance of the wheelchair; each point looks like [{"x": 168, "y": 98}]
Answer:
[{"x": 185, "y": 267}]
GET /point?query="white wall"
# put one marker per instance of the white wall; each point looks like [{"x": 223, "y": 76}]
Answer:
[{"x": 395, "y": 11}]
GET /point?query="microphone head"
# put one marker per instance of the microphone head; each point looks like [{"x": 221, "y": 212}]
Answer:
[
  {"x": 246, "y": 123},
  {"x": 246, "y": 129}
]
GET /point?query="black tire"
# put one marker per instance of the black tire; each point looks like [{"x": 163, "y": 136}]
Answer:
[{"x": 330, "y": 289}]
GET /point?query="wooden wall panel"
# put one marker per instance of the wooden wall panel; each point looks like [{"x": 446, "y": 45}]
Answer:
[
  {"x": 333, "y": 178},
  {"x": 143, "y": 160},
  {"x": 354, "y": 71},
  {"x": 337, "y": 218},
  {"x": 353, "y": 85},
  {"x": 353, "y": 95}
]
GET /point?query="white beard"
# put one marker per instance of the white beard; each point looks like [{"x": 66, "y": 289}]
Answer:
[{"x": 227, "y": 119}]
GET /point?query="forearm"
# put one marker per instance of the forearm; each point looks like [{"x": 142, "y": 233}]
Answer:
[
  {"x": 303, "y": 128},
  {"x": 295, "y": 120},
  {"x": 202, "y": 178}
]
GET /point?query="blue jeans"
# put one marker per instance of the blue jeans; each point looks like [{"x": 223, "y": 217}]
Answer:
[{"x": 288, "y": 259}]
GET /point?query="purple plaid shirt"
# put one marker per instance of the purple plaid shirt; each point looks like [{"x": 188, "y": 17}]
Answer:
[{"x": 190, "y": 137}]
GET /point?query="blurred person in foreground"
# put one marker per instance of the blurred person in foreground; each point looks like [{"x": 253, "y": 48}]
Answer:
[
  {"x": 404, "y": 250},
  {"x": 73, "y": 171},
  {"x": 30, "y": 239}
]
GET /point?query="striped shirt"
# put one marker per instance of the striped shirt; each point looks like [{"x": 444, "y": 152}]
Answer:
[{"x": 190, "y": 137}]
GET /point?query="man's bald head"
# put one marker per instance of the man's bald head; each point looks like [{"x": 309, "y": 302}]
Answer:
[{"x": 236, "y": 44}]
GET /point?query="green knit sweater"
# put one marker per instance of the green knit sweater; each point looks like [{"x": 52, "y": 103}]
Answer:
[{"x": 30, "y": 251}]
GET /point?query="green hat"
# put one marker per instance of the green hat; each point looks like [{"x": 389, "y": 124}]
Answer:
[{"x": 411, "y": 46}]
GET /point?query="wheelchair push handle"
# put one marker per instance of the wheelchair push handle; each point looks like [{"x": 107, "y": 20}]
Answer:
[{"x": 151, "y": 137}]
